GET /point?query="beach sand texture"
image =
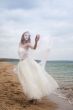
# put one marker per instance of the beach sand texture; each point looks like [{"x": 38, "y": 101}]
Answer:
[{"x": 13, "y": 98}]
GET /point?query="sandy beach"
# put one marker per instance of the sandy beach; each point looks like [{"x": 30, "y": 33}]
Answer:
[{"x": 13, "y": 98}]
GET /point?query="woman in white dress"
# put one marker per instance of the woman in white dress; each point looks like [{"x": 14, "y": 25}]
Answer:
[{"x": 35, "y": 81}]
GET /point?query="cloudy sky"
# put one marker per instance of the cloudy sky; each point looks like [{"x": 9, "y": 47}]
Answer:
[{"x": 51, "y": 18}]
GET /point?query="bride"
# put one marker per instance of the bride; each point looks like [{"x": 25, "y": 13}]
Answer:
[{"x": 35, "y": 81}]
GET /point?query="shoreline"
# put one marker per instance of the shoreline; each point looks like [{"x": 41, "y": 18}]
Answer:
[{"x": 12, "y": 96}]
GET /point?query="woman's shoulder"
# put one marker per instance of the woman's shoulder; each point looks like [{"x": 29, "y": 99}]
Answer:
[{"x": 20, "y": 45}]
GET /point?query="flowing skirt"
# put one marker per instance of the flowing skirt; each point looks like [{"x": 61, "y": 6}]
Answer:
[{"x": 35, "y": 81}]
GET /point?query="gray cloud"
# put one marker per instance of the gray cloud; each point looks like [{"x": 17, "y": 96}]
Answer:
[
  {"x": 49, "y": 18},
  {"x": 15, "y": 4}
]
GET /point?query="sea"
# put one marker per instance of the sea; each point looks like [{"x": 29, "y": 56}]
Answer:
[{"x": 62, "y": 71}]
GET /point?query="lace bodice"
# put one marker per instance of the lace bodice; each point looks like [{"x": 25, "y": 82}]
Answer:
[{"x": 23, "y": 53}]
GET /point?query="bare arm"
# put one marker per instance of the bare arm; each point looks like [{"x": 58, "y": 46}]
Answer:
[
  {"x": 36, "y": 41},
  {"x": 33, "y": 47}
]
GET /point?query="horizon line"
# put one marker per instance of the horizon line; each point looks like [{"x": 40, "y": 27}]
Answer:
[{"x": 1, "y": 59}]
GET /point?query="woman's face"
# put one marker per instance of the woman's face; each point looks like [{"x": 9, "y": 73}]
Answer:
[{"x": 26, "y": 36}]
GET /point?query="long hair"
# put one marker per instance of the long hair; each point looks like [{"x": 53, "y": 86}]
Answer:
[{"x": 23, "y": 40}]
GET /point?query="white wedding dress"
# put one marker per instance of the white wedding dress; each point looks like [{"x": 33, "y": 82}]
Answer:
[{"x": 35, "y": 81}]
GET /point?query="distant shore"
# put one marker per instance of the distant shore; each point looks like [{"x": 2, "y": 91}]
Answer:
[
  {"x": 8, "y": 59},
  {"x": 17, "y": 59}
]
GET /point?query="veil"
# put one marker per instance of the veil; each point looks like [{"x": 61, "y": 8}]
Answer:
[
  {"x": 42, "y": 51},
  {"x": 42, "y": 54}
]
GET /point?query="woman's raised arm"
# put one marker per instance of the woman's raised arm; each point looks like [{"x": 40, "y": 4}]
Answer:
[{"x": 36, "y": 41}]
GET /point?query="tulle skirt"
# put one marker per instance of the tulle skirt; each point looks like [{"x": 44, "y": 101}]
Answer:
[{"x": 35, "y": 81}]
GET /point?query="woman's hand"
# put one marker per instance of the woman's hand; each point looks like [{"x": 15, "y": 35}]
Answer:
[{"x": 37, "y": 38}]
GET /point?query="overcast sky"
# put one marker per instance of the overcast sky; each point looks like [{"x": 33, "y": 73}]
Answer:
[{"x": 51, "y": 18}]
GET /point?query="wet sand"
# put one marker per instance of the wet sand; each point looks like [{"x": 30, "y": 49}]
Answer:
[{"x": 13, "y": 98}]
